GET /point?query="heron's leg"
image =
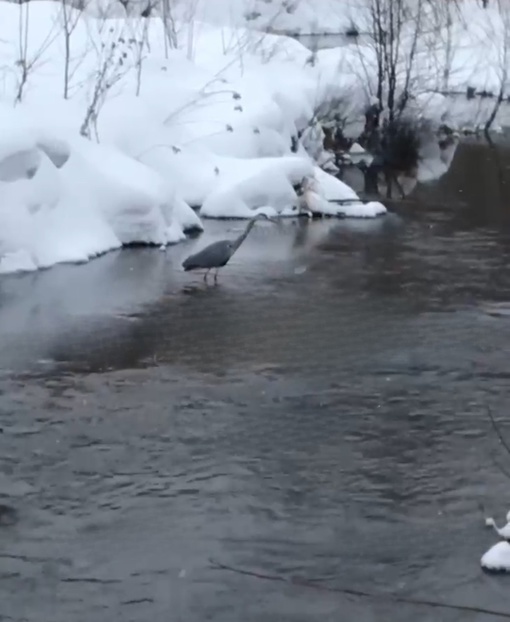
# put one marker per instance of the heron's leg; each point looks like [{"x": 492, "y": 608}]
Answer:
[
  {"x": 216, "y": 275},
  {"x": 205, "y": 275}
]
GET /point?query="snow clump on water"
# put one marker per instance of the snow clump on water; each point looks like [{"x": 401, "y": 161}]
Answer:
[{"x": 497, "y": 558}]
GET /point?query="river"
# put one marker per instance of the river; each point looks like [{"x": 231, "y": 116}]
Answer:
[{"x": 320, "y": 415}]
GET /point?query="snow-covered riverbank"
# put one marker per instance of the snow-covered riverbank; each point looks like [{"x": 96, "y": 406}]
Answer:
[
  {"x": 206, "y": 126},
  {"x": 117, "y": 137}
]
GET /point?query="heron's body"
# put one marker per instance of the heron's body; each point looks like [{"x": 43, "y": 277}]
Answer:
[{"x": 218, "y": 254}]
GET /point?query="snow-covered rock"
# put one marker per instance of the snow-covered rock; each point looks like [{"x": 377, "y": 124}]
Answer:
[
  {"x": 364, "y": 210},
  {"x": 331, "y": 188},
  {"x": 255, "y": 186},
  {"x": 356, "y": 149},
  {"x": 327, "y": 195},
  {"x": 497, "y": 558},
  {"x": 250, "y": 191}
]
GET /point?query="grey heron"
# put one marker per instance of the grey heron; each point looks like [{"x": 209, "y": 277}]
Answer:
[{"x": 218, "y": 254}]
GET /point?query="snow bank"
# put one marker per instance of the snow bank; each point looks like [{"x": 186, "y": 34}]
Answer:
[
  {"x": 332, "y": 188},
  {"x": 226, "y": 146},
  {"x": 22, "y": 146},
  {"x": 270, "y": 187},
  {"x": 96, "y": 201},
  {"x": 325, "y": 194},
  {"x": 65, "y": 198},
  {"x": 208, "y": 125},
  {"x": 252, "y": 185}
]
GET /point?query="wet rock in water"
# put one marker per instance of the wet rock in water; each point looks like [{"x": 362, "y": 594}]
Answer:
[{"x": 8, "y": 515}]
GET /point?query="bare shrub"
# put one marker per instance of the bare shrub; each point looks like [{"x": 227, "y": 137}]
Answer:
[
  {"x": 114, "y": 61},
  {"x": 26, "y": 63}
]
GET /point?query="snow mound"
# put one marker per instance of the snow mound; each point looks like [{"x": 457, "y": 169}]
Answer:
[
  {"x": 356, "y": 149},
  {"x": 364, "y": 210},
  {"x": 269, "y": 186},
  {"x": 327, "y": 195},
  {"x": 130, "y": 196},
  {"x": 21, "y": 147},
  {"x": 263, "y": 183},
  {"x": 98, "y": 200},
  {"x": 331, "y": 188}
]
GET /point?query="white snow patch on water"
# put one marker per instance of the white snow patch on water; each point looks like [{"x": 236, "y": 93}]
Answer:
[{"x": 497, "y": 558}]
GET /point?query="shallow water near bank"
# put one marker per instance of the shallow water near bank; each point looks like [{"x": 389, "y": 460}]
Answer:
[{"x": 320, "y": 414}]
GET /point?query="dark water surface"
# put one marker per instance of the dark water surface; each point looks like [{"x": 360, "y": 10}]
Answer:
[{"x": 320, "y": 414}]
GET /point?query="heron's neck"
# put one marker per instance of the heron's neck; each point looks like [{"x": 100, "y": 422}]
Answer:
[{"x": 243, "y": 236}]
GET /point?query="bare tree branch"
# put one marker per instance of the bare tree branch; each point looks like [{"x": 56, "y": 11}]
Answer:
[{"x": 24, "y": 63}]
